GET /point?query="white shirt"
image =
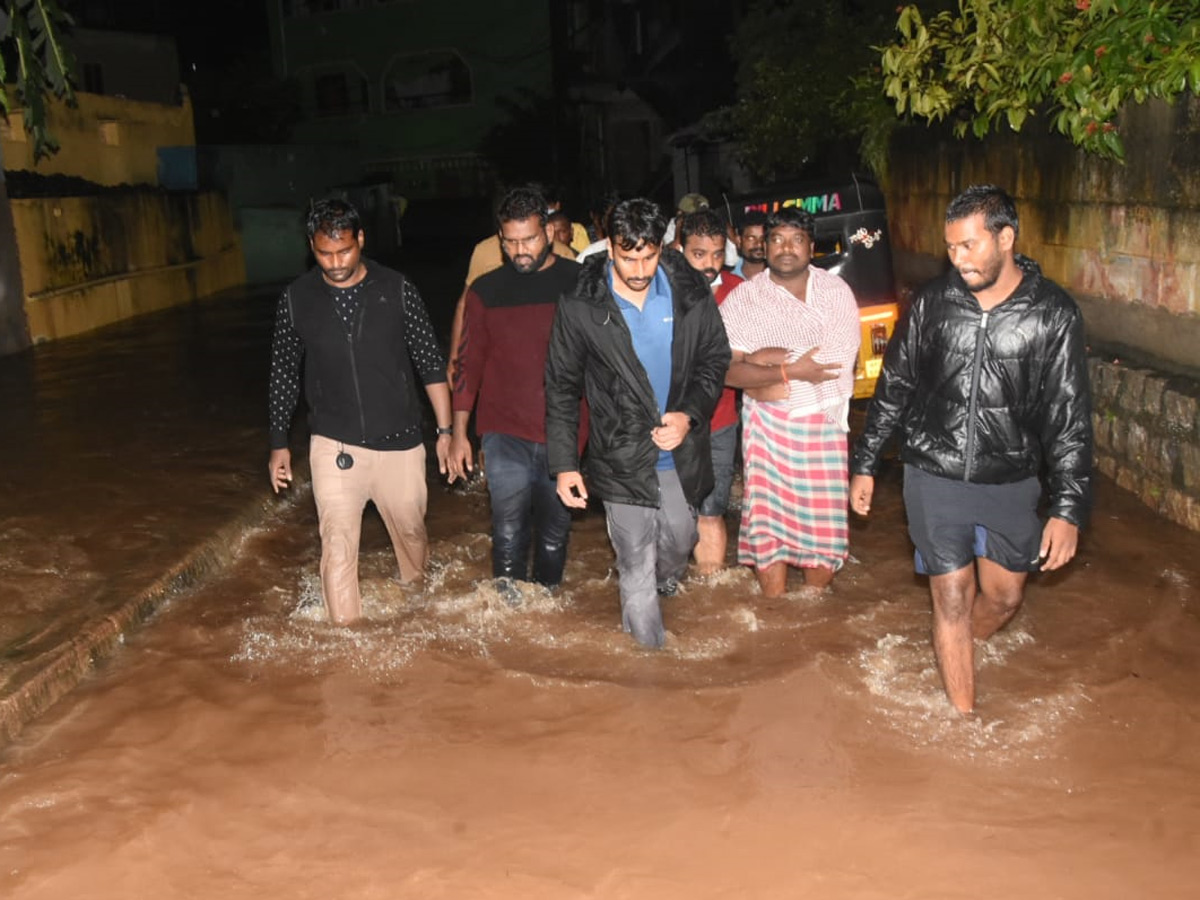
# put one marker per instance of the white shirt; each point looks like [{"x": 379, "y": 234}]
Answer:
[{"x": 760, "y": 313}]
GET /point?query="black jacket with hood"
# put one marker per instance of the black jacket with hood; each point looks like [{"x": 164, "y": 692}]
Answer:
[
  {"x": 989, "y": 397},
  {"x": 591, "y": 353}
]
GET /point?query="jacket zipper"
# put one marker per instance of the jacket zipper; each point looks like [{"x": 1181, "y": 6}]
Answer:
[
  {"x": 973, "y": 402},
  {"x": 618, "y": 320},
  {"x": 351, "y": 338}
]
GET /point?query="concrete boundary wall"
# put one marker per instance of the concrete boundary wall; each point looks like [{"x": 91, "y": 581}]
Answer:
[
  {"x": 107, "y": 140},
  {"x": 90, "y": 261},
  {"x": 1124, "y": 240}
]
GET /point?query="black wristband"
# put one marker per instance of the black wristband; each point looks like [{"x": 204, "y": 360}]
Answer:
[{"x": 446, "y": 430}]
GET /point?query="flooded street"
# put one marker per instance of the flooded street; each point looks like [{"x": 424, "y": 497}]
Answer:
[{"x": 451, "y": 746}]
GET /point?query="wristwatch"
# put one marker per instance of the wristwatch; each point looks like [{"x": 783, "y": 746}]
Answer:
[{"x": 444, "y": 430}]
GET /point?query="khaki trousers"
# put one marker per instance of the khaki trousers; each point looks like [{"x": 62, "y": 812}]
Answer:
[{"x": 395, "y": 481}]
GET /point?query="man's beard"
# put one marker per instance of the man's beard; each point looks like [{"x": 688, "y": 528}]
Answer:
[
  {"x": 757, "y": 253},
  {"x": 340, "y": 273},
  {"x": 710, "y": 275},
  {"x": 525, "y": 264},
  {"x": 988, "y": 275}
]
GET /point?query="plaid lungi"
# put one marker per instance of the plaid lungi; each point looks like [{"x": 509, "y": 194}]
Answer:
[{"x": 795, "y": 490}]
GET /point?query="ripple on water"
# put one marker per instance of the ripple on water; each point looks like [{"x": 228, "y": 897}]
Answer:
[
  {"x": 900, "y": 673},
  {"x": 720, "y": 630}
]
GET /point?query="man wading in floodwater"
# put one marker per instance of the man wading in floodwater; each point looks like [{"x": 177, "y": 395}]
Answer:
[
  {"x": 644, "y": 342},
  {"x": 360, "y": 329},
  {"x": 502, "y": 371},
  {"x": 987, "y": 380}
]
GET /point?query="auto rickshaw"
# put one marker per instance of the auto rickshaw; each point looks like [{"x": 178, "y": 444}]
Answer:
[{"x": 851, "y": 241}]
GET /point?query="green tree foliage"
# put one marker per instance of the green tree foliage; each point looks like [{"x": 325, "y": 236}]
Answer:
[
  {"x": 1074, "y": 63},
  {"x": 807, "y": 80},
  {"x": 32, "y": 53}
]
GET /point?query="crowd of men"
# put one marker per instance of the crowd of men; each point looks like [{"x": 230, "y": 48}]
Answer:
[{"x": 630, "y": 369}]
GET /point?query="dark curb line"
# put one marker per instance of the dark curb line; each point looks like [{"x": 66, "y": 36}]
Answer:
[{"x": 59, "y": 670}]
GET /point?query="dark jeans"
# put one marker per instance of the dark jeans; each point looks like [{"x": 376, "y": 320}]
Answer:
[{"x": 525, "y": 510}]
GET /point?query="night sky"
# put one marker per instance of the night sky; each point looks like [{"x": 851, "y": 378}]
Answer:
[{"x": 208, "y": 33}]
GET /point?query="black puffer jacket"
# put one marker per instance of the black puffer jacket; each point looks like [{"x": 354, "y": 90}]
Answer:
[
  {"x": 991, "y": 397},
  {"x": 591, "y": 352}
]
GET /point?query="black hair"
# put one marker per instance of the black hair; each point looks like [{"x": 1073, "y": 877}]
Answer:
[
  {"x": 751, "y": 219},
  {"x": 701, "y": 223},
  {"x": 792, "y": 217},
  {"x": 997, "y": 207},
  {"x": 558, "y": 216},
  {"x": 522, "y": 203},
  {"x": 635, "y": 222},
  {"x": 331, "y": 217}
]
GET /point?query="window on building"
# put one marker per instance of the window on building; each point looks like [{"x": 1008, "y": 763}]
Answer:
[{"x": 426, "y": 80}]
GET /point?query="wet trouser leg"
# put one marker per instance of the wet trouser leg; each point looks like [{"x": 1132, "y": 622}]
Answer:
[
  {"x": 525, "y": 509},
  {"x": 395, "y": 481},
  {"x": 551, "y": 524},
  {"x": 677, "y": 533},
  {"x": 507, "y": 464},
  {"x": 652, "y": 547},
  {"x": 340, "y": 496},
  {"x": 401, "y": 494}
]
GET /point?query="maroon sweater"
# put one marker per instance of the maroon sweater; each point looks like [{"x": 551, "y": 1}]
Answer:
[{"x": 502, "y": 355}]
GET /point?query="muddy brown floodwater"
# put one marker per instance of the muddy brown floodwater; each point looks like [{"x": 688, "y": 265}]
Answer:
[{"x": 453, "y": 747}]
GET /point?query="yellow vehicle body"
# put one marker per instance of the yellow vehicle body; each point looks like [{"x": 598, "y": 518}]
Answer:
[{"x": 877, "y": 323}]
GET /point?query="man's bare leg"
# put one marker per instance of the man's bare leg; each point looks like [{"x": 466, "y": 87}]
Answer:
[
  {"x": 818, "y": 576},
  {"x": 773, "y": 579},
  {"x": 953, "y": 597},
  {"x": 710, "y": 549},
  {"x": 1000, "y": 595}
]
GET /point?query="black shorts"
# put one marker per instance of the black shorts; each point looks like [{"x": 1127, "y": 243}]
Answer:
[{"x": 951, "y": 522}]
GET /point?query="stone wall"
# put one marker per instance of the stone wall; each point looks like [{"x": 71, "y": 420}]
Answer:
[{"x": 1148, "y": 436}]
